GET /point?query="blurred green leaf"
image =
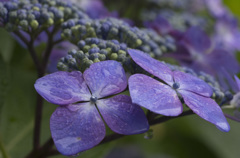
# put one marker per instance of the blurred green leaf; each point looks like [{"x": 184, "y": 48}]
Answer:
[{"x": 6, "y": 45}]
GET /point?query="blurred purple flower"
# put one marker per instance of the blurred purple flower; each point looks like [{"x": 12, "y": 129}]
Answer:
[
  {"x": 163, "y": 98},
  {"x": 195, "y": 50},
  {"x": 95, "y": 8},
  {"x": 216, "y": 7},
  {"x": 77, "y": 125},
  {"x": 159, "y": 24},
  {"x": 227, "y": 33}
]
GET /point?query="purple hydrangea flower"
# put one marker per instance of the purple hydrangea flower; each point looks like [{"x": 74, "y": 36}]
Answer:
[
  {"x": 95, "y": 9},
  {"x": 58, "y": 52},
  {"x": 76, "y": 124},
  {"x": 216, "y": 7},
  {"x": 195, "y": 50},
  {"x": 227, "y": 33},
  {"x": 163, "y": 98},
  {"x": 159, "y": 24}
]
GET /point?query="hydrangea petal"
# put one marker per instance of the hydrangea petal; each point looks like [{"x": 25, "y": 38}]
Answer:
[
  {"x": 122, "y": 116},
  {"x": 105, "y": 78},
  {"x": 197, "y": 40},
  {"x": 63, "y": 88},
  {"x": 237, "y": 81},
  {"x": 191, "y": 83},
  {"x": 206, "y": 108},
  {"x": 154, "y": 95},
  {"x": 76, "y": 127},
  {"x": 152, "y": 66}
]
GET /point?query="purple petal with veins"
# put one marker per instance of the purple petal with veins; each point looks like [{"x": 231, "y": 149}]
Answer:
[
  {"x": 63, "y": 88},
  {"x": 76, "y": 127},
  {"x": 193, "y": 84},
  {"x": 206, "y": 108},
  {"x": 105, "y": 78},
  {"x": 152, "y": 66},
  {"x": 154, "y": 95},
  {"x": 122, "y": 116}
]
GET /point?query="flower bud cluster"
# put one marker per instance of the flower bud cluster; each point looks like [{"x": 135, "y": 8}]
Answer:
[
  {"x": 92, "y": 50},
  {"x": 114, "y": 29},
  {"x": 29, "y": 15},
  {"x": 178, "y": 20},
  {"x": 218, "y": 94}
]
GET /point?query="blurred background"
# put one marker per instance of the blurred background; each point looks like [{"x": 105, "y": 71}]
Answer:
[{"x": 185, "y": 137}]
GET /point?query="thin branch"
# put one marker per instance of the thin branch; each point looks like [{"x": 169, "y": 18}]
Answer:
[
  {"x": 49, "y": 48},
  {"x": 58, "y": 41},
  {"x": 166, "y": 118},
  {"x": 43, "y": 151},
  {"x": 30, "y": 46},
  {"x": 37, "y": 124},
  {"x": 232, "y": 117}
]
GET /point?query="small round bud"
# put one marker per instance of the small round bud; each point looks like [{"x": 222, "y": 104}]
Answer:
[
  {"x": 34, "y": 24},
  {"x": 114, "y": 56}
]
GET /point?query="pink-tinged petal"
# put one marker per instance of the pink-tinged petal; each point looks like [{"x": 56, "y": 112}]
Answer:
[
  {"x": 152, "y": 66},
  {"x": 206, "y": 108},
  {"x": 237, "y": 81},
  {"x": 76, "y": 127},
  {"x": 63, "y": 88},
  {"x": 154, "y": 95},
  {"x": 105, "y": 78},
  {"x": 122, "y": 116},
  {"x": 191, "y": 83}
]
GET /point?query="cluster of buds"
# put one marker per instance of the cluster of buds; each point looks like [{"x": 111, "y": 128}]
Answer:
[
  {"x": 30, "y": 15},
  {"x": 92, "y": 50},
  {"x": 114, "y": 29}
]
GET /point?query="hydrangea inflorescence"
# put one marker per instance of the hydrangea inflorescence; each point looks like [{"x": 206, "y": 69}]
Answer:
[
  {"x": 31, "y": 15},
  {"x": 163, "y": 99},
  {"x": 76, "y": 125},
  {"x": 115, "y": 29}
]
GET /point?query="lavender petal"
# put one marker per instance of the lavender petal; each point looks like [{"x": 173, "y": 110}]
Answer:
[
  {"x": 193, "y": 84},
  {"x": 152, "y": 66},
  {"x": 105, "y": 78},
  {"x": 197, "y": 40},
  {"x": 76, "y": 127},
  {"x": 206, "y": 108},
  {"x": 63, "y": 88},
  {"x": 154, "y": 95},
  {"x": 122, "y": 116},
  {"x": 237, "y": 81}
]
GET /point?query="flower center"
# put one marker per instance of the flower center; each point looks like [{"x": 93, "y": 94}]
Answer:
[
  {"x": 93, "y": 99},
  {"x": 176, "y": 85}
]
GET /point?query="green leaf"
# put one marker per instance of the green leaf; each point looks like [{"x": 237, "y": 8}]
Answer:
[{"x": 6, "y": 45}]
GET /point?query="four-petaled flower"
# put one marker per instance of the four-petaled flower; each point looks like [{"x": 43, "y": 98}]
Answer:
[
  {"x": 163, "y": 99},
  {"x": 76, "y": 124}
]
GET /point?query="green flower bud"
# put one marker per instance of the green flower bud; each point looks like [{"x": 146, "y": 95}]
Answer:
[
  {"x": 34, "y": 24},
  {"x": 114, "y": 56}
]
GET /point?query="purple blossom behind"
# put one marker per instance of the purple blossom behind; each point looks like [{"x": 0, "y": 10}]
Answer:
[
  {"x": 196, "y": 50},
  {"x": 76, "y": 124},
  {"x": 58, "y": 52},
  {"x": 163, "y": 98}
]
